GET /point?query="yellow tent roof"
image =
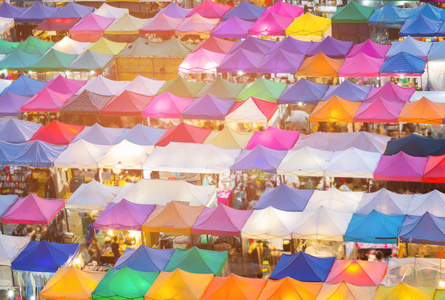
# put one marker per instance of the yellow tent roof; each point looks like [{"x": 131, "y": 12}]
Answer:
[
  {"x": 346, "y": 291},
  {"x": 404, "y": 291},
  {"x": 71, "y": 284},
  {"x": 336, "y": 109},
  {"x": 104, "y": 46},
  {"x": 288, "y": 288},
  {"x": 308, "y": 24},
  {"x": 229, "y": 139},
  {"x": 320, "y": 65},
  {"x": 423, "y": 111},
  {"x": 127, "y": 24},
  {"x": 178, "y": 284}
]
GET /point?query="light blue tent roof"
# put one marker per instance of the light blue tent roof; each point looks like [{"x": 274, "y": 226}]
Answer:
[
  {"x": 389, "y": 15},
  {"x": 259, "y": 158},
  {"x": 144, "y": 259},
  {"x": 245, "y": 11},
  {"x": 6, "y": 201},
  {"x": 142, "y": 135},
  {"x": 374, "y": 227},
  {"x": 403, "y": 63},
  {"x": 36, "y": 13},
  {"x": 426, "y": 229},
  {"x": 303, "y": 90},
  {"x": 9, "y": 151},
  {"x": 38, "y": 154},
  {"x": 25, "y": 86},
  {"x": 437, "y": 50},
  {"x": 17, "y": 131},
  {"x": 411, "y": 46},
  {"x": 420, "y": 26},
  {"x": 427, "y": 10},
  {"x": 73, "y": 10},
  {"x": 285, "y": 198},
  {"x": 348, "y": 90}
]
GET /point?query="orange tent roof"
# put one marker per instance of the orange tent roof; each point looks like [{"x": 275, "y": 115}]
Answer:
[
  {"x": 320, "y": 65},
  {"x": 336, "y": 109},
  {"x": 423, "y": 111},
  {"x": 174, "y": 217},
  {"x": 234, "y": 287},
  {"x": 288, "y": 288}
]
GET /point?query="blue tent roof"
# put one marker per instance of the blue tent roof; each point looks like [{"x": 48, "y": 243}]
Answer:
[
  {"x": 437, "y": 50},
  {"x": 38, "y": 154},
  {"x": 389, "y": 14},
  {"x": 427, "y": 10},
  {"x": 17, "y": 131},
  {"x": 144, "y": 259},
  {"x": 403, "y": 63},
  {"x": 420, "y": 26},
  {"x": 10, "y": 11},
  {"x": 303, "y": 90},
  {"x": 45, "y": 257},
  {"x": 284, "y": 197},
  {"x": 259, "y": 158},
  {"x": 304, "y": 267},
  {"x": 73, "y": 10},
  {"x": 426, "y": 229},
  {"x": 374, "y": 227},
  {"x": 142, "y": 135},
  {"x": 348, "y": 90},
  {"x": 9, "y": 151},
  {"x": 411, "y": 46},
  {"x": 208, "y": 107},
  {"x": 25, "y": 86},
  {"x": 246, "y": 11},
  {"x": 6, "y": 201},
  {"x": 36, "y": 13},
  {"x": 416, "y": 145}
]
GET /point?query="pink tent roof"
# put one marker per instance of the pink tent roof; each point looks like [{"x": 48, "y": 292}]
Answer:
[
  {"x": 391, "y": 91},
  {"x": 221, "y": 220},
  {"x": 233, "y": 28},
  {"x": 400, "y": 167},
  {"x": 285, "y": 9},
  {"x": 201, "y": 61},
  {"x": 91, "y": 24},
  {"x": 33, "y": 210},
  {"x": 166, "y": 105},
  {"x": 161, "y": 24},
  {"x": 357, "y": 272},
  {"x": 271, "y": 24},
  {"x": 210, "y": 9},
  {"x": 46, "y": 101},
  {"x": 274, "y": 138},
  {"x": 361, "y": 65},
  {"x": 64, "y": 85},
  {"x": 379, "y": 110},
  {"x": 370, "y": 49},
  {"x": 197, "y": 24}
]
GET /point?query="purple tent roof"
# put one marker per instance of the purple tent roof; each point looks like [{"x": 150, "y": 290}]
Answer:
[
  {"x": 73, "y": 10},
  {"x": 369, "y": 48},
  {"x": 280, "y": 61},
  {"x": 10, "y": 11},
  {"x": 175, "y": 11},
  {"x": 221, "y": 220},
  {"x": 303, "y": 90},
  {"x": 260, "y": 158},
  {"x": 285, "y": 198},
  {"x": 36, "y": 13},
  {"x": 240, "y": 60},
  {"x": 254, "y": 44},
  {"x": 233, "y": 28},
  {"x": 292, "y": 45},
  {"x": 124, "y": 215},
  {"x": 348, "y": 90},
  {"x": 400, "y": 167},
  {"x": 10, "y": 104},
  {"x": 208, "y": 107},
  {"x": 330, "y": 47},
  {"x": 274, "y": 138},
  {"x": 245, "y": 11}
]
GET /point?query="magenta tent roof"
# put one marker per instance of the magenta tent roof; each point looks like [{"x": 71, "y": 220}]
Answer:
[
  {"x": 210, "y": 9},
  {"x": 379, "y": 110},
  {"x": 361, "y": 65},
  {"x": 221, "y": 220},
  {"x": 400, "y": 167},
  {"x": 46, "y": 101},
  {"x": 270, "y": 24},
  {"x": 274, "y": 138},
  {"x": 281, "y": 61},
  {"x": 391, "y": 91},
  {"x": 64, "y": 85},
  {"x": 161, "y": 23},
  {"x": 233, "y": 28},
  {"x": 285, "y": 9},
  {"x": 240, "y": 60},
  {"x": 166, "y": 105},
  {"x": 124, "y": 215},
  {"x": 33, "y": 210},
  {"x": 370, "y": 49},
  {"x": 91, "y": 24}
]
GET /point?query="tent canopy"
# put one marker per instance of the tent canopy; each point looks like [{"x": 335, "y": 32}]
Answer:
[
  {"x": 25, "y": 86},
  {"x": 46, "y": 101},
  {"x": 144, "y": 86},
  {"x": 426, "y": 229},
  {"x": 36, "y": 13},
  {"x": 404, "y": 64},
  {"x": 229, "y": 139},
  {"x": 305, "y": 161},
  {"x": 70, "y": 46},
  {"x": 14, "y": 130},
  {"x": 335, "y": 200},
  {"x": 57, "y": 133},
  {"x": 284, "y": 9},
  {"x": 400, "y": 167},
  {"x": 389, "y": 15},
  {"x": 210, "y": 9},
  {"x": 353, "y": 163},
  {"x": 432, "y": 202},
  {"x": 288, "y": 287},
  {"x": 201, "y": 61},
  {"x": 215, "y": 44},
  {"x": 410, "y": 46},
  {"x": 348, "y": 91},
  {"x": 127, "y": 24},
  {"x": 433, "y": 169},
  {"x": 361, "y": 65},
  {"x": 379, "y": 110},
  {"x": 274, "y": 138},
  {"x": 222, "y": 88},
  {"x": 357, "y": 272},
  {"x": 402, "y": 290},
  {"x": 285, "y": 198},
  {"x": 330, "y": 47},
  {"x": 336, "y": 109},
  {"x": 37, "y": 154},
  {"x": 11, "y": 247},
  {"x": 145, "y": 48},
  {"x": 90, "y": 28},
  {"x": 144, "y": 259},
  {"x": 254, "y": 44},
  {"x": 241, "y": 60},
  {"x": 33, "y": 45},
  {"x": 369, "y": 48},
  {"x": 352, "y": 13},
  {"x": 280, "y": 61},
  {"x": 92, "y": 195},
  {"x": 245, "y": 11},
  {"x": 142, "y": 135},
  {"x": 306, "y": 91},
  {"x": 392, "y": 92},
  {"x": 81, "y": 154},
  {"x": 308, "y": 25},
  {"x": 416, "y": 145},
  {"x": 263, "y": 89},
  {"x": 110, "y": 11},
  {"x": 259, "y": 158},
  {"x": 73, "y": 10},
  {"x": 346, "y": 290},
  {"x": 6, "y": 46},
  {"x": 104, "y": 46},
  {"x": 126, "y": 104},
  {"x": 8, "y": 10},
  {"x": 233, "y": 28},
  {"x": 161, "y": 24},
  {"x": 420, "y": 26},
  {"x": 270, "y": 24},
  {"x": 320, "y": 65},
  {"x": 236, "y": 286},
  {"x": 126, "y": 155},
  {"x": 208, "y": 107},
  {"x": 53, "y": 24},
  {"x": 64, "y": 85},
  {"x": 173, "y": 10},
  {"x": 196, "y": 24},
  {"x": 86, "y": 103},
  {"x": 90, "y": 60},
  {"x": 181, "y": 87},
  {"x": 423, "y": 111},
  {"x": 18, "y": 60},
  {"x": 183, "y": 133},
  {"x": 100, "y": 135},
  {"x": 385, "y": 202}
]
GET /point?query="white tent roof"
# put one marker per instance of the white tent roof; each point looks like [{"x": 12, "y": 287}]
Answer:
[
  {"x": 342, "y": 141},
  {"x": 322, "y": 224},
  {"x": 435, "y": 96},
  {"x": 5, "y": 24},
  {"x": 70, "y": 46},
  {"x": 270, "y": 223},
  {"x": 104, "y": 86},
  {"x": 305, "y": 161},
  {"x": 353, "y": 163},
  {"x": 384, "y": 201},
  {"x": 92, "y": 195},
  {"x": 126, "y": 23},
  {"x": 347, "y": 291},
  {"x": 248, "y": 112},
  {"x": 125, "y": 155},
  {"x": 142, "y": 135},
  {"x": 81, "y": 154},
  {"x": 4, "y": 84},
  {"x": 161, "y": 192},
  {"x": 432, "y": 202},
  {"x": 191, "y": 158},
  {"x": 10, "y": 248},
  {"x": 100, "y": 135},
  {"x": 335, "y": 200},
  {"x": 17, "y": 131},
  {"x": 109, "y": 11},
  {"x": 145, "y": 86}
]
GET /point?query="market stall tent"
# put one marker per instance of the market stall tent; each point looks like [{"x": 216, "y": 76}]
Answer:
[
  {"x": 330, "y": 47},
  {"x": 8, "y": 10},
  {"x": 33, "y": 45},
  {"x": 73, "y": 10},
  {"x": 70, "y": 46},
  {"x": 335, "y": 200},
  {"x": 183, "y": 133},
  {"x": 126, "y": 104},
  {"x": 210, "y": 9},
  {"x": 304, "y": 91},
  {"x": 385, "y": 202},
  {"x": 53, "y": 60},
  {"x": 434, "y": 169},
  {"x": 215, "y": 44},
  {"x": 280, "y": 61},
  {"x": 142, "y": 135},
  {"x": 346, "y": 290},
  {"x": 252, "y": 110},
  {"x": 127, "y": 24},
  {"x": 173, "y": 10},
  {"x": 357, "y": 272},
  {"x": 423, "y": 111},
  {"x": 389, "y": 15},
  {"x": 432, "y": 202},
  {"x": 18, "y": 60},
  {"x": 90, "y": 60},
  {"x": 144, "y": 259},
  {"x": 201, "y": 61},
  {"x": 36, "y": 13},
  {"x": 241, "y": 60},
  {"x": 361, "y": 65},
  {"x": 86, "y": 103},
  {"x": 392, "y": 92},
  {"x": 353, "y": 163},
  {"x": 403, "y": 64},
  {"x": 181, "y": 87},
  {"x": 109, "y": 11},
  {"x": 81, "y": 154},
  {"x": 6, "y": 46},
  {"x": 11, "y": 247},
  {"x": 255, "y": 45},
  {"x": 416, "y": 145},
  {"x": 270, "y": 24},
  {"x": 46, "y": 101},
  {"x": 57, "y": 133},
  {"x": 234, "y": 287},
  {"x": 348, "y": 91},
  {"x": 125, "y": 155},
  {"x": 288, "y": 287},
  {"x": 91, "y": 28},
  {"x": 229, "y": 139},
  {"x": 105, "y": 46},
  {"x": 426, "y": 229},
  {"x": 222, "y": 88},
  {"x": 197, "y": 24},
  {"x": 350, "y": 22},
  {"x": 6, "y": 201},
  {"x": 379, "y": 110},
  {"x": 305, "y": 161},
  {"x": 197, "y": 261},
  {"x": 59, "y": 27},
  {"x": 208, "y": 107},
  {"x": 284, "y": 197},
  {"x": 64, "y": 85},
  {"x": 92, "y": 195},
  {"x": 161, "y": 24},
  {"x": 100, "y": 135},
  {"x": 233, "y": 28},
  {"x": 309, "y": 27},
  {"x": 16, "y": 131},
  {"x": 420, "y": 26},
  {"x": 285, "y": 9},
  {"x": 320, "y": 65},
  {"x": 336, "y": 109},
  {"x": 244, "y": 11},
  {"x": 274, "y": 138},
  {"x": 24, "y": 86},
  {"x": 37, "y": 154},
  {"x": 410, "y": 46},
  {"x": 259, "y": 158},
  {"x": 404, "y": 291},
  {"x": 400, "y": 167},
  {"x": 369, "y": 48},
  {"x": 144, "y": 86}
]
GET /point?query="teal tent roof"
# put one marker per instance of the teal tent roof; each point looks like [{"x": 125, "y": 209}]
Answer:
[{"x": 53, "y": 60}]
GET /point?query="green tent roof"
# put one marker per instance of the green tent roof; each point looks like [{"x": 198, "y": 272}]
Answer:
[
  {"x": 53, "y": 60},
  {"x": 262, "y": 89},
  {"x": 198, "y": 261},
  {"x": 35, "y": 46},
  {"x": 7, "y": 47},
  {"x": 181, "y": 87},
  {"x": 222, "y": 88},
  {"x": 352, "y": 13},
  {"x": 18, "y": 60},
  {"x": 124, "y": 284},
  {"x": 91, "y": 60},
  {"x": 169, "y": 48}
]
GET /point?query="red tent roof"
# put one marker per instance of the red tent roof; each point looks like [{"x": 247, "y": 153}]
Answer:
[
  {"x": 57, "y": 133},
  {"x": 184, "y": 133},
  {"x": 46, "y": 101},
  {"x": 266, "y": 107},
  {"x": 215, "y": 44},
  {"x": 126, "y": 104},
  {"x": 210, "y": 9},
  {"x": 434, "y": 169}
]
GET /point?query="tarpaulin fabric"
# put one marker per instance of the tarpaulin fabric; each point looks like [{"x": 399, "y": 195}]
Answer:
[
  {"x": 210, "y": 9},
  {"x": 201, "y": 61},
  {"x": 330, "y": 47},
  {"x": 385, "y": 202},
  {"x": 63, "y": 85},
  {"x": 33, "y": 45},
  {"x": 144, "y": 86},
  {"x": 420, "y": 26},
  {"x": 91, "y": 196},
  {"x": 336, "y": 109},
  {"x": 288, "y": 287},
  {"x": 161, "y": 24},
  {"x": 46, "y": 101},
  {"x": 348, "y": 91},
  {"x": 369, "y": 48},
  {"x": 215, "y": 44},
  {"x": 335, "y": 200},
  {"x": 100, "y": 135},
  {"x": 427, "y": 10},
  {"x": 263, "y": 89},
  {"x": 270, "y": 24},
  {"x": 73, "y": 10},
  {"x": 18, "y": 60},
  {"x": 6, "y": 202},
  {"x": 352, "y": 13},
  {"x": 403, "y": 63},
  {"x": 126, "y": 104},
  {"x": 233, "y": 28},
  {"x": 274, "y": 138},
  {"x": 208, "y": 107},
  {"x": 10, "y": 105},
  {"x": 45, "y": 257},
  {"x": 241, "y": 60},
  {"x": 306, "y": 91},
  {"x": 432, "y": 202},
  {"x": 280, "y": 61},
  {"x": 404, "y": 291},
  {"x": 305, "y": 161},
  {"x": 173, "y": 10},
  {"x": 53, "y": 24},
  {"x": 166, "y": 105},
  {"x": 183, "y": 133},
  {"x": 410, "y": 46},
  {"x": 91, "y": 28},
  {"x": 36, "y": 13},
  {"x": 308, "y": 25},
  {"x": 14, "y": 130},
  {"x": 389, "y": 14},
  {"x": 87, "y": 103},
  {"x": 361, "y": 65},
  {"x": 125, "y": 155},
  {"x": 291, "y": 45},
  {"x": 145, "y": 48},
  {"x": 38, "y": 154},
  {"x": 11, "y": 247},
  {"x": 422, "y": 111},
  {"x": 142, "y": 135},
  {"x": 53, "y": 60},
  {"x": 105, "y": 46},
  {"x": 391, "y": 92},
  {"x": 259, "y": 158},
  {"x": 70, "y": 46},
  {"x": 90, "y": 60},
  {"x": 379, "y": 110},
  {"x": 353, "y": 163},
  {"x": 357, "y": 272},
  {"x": 245, "y": 11},
  {"x": 400, "y": 167},
  {"x": 426, "y": 229},
  {"x": 284, "y": 9},
  {"x": 346, "y": 290},
  {"x": 229, "y": 139},
  {"x": 320, "y": 65},
  {"x": 196, "y": 24},
  {"x": 10, "y": 11},
  {"x": 434, "y": 169},
  {"x": 181, "y": 87},
  {"x": 6, "y": 46},
  {"x": 144, "y": 259},
  {"x": 234, "y": 286},
  {"x": 127, "y": 24},
  {"x": 25, "y": 86},
  {"x": 254, "y": 44},
  {"x": 437, "y": 50},
  {"x": 109, "y": 11},
  {"x": 81, "y": 154},
  {"x": 252, "y": 110},
  {"x": 416, "y": 145},
  {"x": 57, "y": 133}
]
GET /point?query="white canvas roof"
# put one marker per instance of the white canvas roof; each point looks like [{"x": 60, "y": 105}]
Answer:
[
  {"x": 145, "y": 86},
  {"x": 347, "y": 291},
  {"x": 435, "y": 96},
  {"x": 161, "y": 192},
  {"x": 100, "y": 135},
  {"x": 92, "y": 195},
  {"x": 5, "y": 24},
  {"x": 109, "y": 11},
  {"x": 81, "y": 154},
  {"x": 353, "y": 163},
  {"x": 70, "y": 46},
  {"x": 17, "y": 131},
  {"x": 125, "y": 155},
  {"x": 270, "y": 223},
  {"x": 191, "y": 158},
  {"x": 384, "y": 201},
  {"x": 432, "y": 202},
  {"x": 10, "y": 248},
  {"x": 248, "y": 112},
  {"x": 104, "y": 86},
  {"x": 305, "y": 161},
  {"x": 335, "y": 200},
  {"x": 4, "y": 84}
]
